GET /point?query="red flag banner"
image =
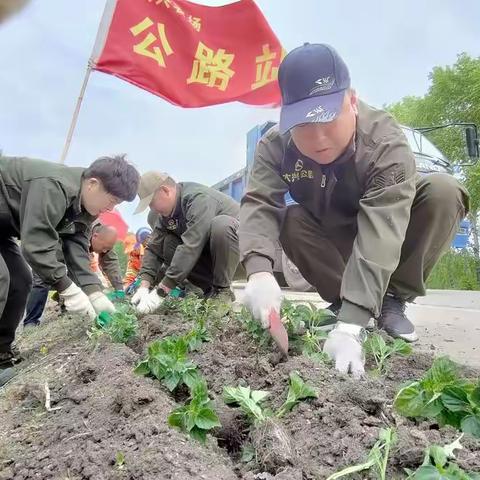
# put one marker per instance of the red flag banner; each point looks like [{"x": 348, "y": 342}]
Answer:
[{"x": 191, "y": 55}]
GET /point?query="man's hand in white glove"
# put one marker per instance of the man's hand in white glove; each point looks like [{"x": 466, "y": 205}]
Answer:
[
  {"x": 262, "y": 294},
  {"x": 101, "y": 303},
  {"x": 76, "y": 301},
  {"x": 344, "y": 345},
  {"x": 150, "y": 302},
  {"x": 140, "y": 294}
]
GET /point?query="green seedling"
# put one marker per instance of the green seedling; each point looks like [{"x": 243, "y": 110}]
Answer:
[
  {"x": 197, "y": 417},
  {"x": 121, "y": 325},
  {"x": 248, "y": 453},
  {"x": 440, "y": 394},
  {"x": 438, "y": 464},
  {"x": 382, "y": 351},
  {"x": 250, "y": 402},
  {"x": 120, "y": 460},
  {"x": 298, "y": 390},
  {"x": 167, "y": 361},
  {"x": 311, "y": 345},
  {"x": 253, "y": 327},
  {"x": 198, "y": 335},
  {"x": 377, "y": 458},
  {"x": 299, "y": 318},
  {"x": 270, "y": 442}
]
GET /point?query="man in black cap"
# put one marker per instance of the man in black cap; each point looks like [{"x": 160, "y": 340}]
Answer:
[{"x": 366, "y": 230}]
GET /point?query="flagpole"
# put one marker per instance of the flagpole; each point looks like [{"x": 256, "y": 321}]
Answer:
[
  {"x": 96, "y": 51},
  {"x": 76, "y": 112}
]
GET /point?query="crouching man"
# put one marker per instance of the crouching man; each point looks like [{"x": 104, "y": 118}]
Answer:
[
  {"x": 49, "y": 207},
  {"x": 194, "y": 238},
  {"x": 102, "y": 241},
  {"x": 367, "y": 229}
]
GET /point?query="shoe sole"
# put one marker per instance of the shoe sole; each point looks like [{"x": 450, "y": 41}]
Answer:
[{"x": 408, "y": 337}]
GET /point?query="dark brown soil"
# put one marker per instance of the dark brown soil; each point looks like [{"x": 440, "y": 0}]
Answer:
[{"x": 102, "y": 409}]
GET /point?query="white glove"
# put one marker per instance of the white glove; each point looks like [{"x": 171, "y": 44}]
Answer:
[
  {"x": 344, "y": 345},
  {"x": 76, "y": 301},
  {"x": 139, "y": 294},
  {"x": 262, "y": 294},
  {"x": 149, "y": 303},
  {"x": 101, "y": 303}
]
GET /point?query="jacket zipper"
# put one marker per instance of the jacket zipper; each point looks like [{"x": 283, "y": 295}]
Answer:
[{"x": 324, "y": 180}]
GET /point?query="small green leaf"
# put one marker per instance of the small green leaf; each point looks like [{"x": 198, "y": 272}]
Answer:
[
  {"x": 410, "y": 400},
  {"x": 142, "y": 368},
  {"x": 198, "y": 434},
  {"x": 428, "y": 472},
  {"x": 207, "y": 419},
  {"x": 401, "y": 347},
  {"x": 191, "y": 378},
  {"x": 455, "y": 399},
  {"x": 471, "y": 424},
  {"x": 475, "y": 397},
  {"x": 177, "y": 418},
  {"x": 259, "y": 396},
  {"x": 442, "y": 373},
  {"x": 437, "y": 456},
  {"x": 248, "y": 453},
  {"x": 171, "y": 380}
]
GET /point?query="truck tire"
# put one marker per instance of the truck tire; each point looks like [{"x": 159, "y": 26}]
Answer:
[{"x": 293, "y": 277}]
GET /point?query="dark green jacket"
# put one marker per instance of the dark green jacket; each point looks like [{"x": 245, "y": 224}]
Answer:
[
  {"x": 46, "y": 214},
  {"x": 197, "y": 205},
  {"x": 370, "y": 187}
]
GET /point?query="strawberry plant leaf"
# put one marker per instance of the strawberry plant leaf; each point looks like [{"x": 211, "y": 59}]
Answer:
[
  {"x": 474, "y": 397},
  {"x": 442, "y": 373},
  {"x": 298, "y": 390},
  {"x": 171, "y": 380},
  {"x": 471, "y": 424},
  {"x": 455, "y": 399},
  {"x": 142, "y": 368},
  {"x": 207, "y": 419},
  {"x": 410, "y": 400},
  {"x": 198, "y": 434}
]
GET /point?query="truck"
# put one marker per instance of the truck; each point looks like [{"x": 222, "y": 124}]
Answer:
[{"x": 428, "y": 157}]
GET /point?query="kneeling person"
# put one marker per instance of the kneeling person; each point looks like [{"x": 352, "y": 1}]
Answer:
[
  {"x": 367, "y": 229},
  {"x": 102, "y": 241},
  {"x": 194, "y": 238},
  {"x": 49, "y": 207}
]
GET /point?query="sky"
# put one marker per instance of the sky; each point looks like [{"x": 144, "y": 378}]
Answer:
[{"x": 390, "y": 48}]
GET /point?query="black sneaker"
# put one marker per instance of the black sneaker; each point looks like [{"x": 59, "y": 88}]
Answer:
[
  {"x": 334, "y": 307},
  {"x": 394, "y": 321},
  {"x": 220, "y": 294},
  {"x": 10, "y": 358}
]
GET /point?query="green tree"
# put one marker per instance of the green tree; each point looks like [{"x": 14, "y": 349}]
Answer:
[{"x": 453, "y": 96}]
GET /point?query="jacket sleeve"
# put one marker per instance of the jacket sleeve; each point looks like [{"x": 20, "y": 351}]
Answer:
[
  {"x": 110, "y": 266},
  {"x": 153, "y": 257},
  {"x": 382, "y": 221},
  {"x": 262, "y": 210},
  {"x": 43, "y": 209},
  {"x": 199, "y": 213},
  {"x": 76, "y": 249}
]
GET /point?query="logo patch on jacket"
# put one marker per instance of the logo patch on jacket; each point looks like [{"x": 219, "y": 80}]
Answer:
[
  {"x": 172, "y": 224},
  {"x": 299, "y": 172}
]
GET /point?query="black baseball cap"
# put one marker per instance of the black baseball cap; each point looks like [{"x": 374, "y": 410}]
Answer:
[{"x": 313, "y": 80}]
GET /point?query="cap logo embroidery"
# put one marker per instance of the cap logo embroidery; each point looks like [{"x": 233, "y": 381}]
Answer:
[
  {"x": 322, "y": 84},
  {"x": 320, "y": 115}
]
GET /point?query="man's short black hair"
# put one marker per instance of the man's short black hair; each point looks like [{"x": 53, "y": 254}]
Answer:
[{"x": 119, "y": 178}]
